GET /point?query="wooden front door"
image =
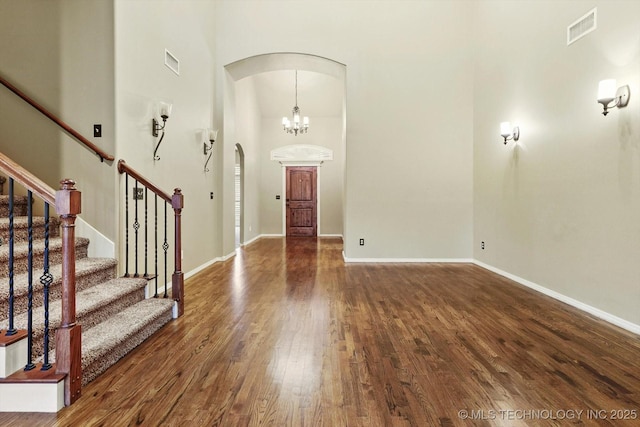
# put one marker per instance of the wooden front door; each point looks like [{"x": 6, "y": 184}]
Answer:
[{"x": 302, "y": 201}]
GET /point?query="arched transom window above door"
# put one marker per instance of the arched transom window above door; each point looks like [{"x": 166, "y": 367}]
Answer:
[{"x": 301, "y": 154}]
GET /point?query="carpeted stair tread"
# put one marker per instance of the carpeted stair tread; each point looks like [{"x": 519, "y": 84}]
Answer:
[
  {"x": 22, "y": 248},
  {"x": 19, "y": 205},
  {"x": 89, "y": 272},
  {"x": 21, "y": 252},
  {"x": 106, "y": 343},
  {"x": 92, "y": 305},
  {"x": 114, "y": 316},
  {"x": 21, "y": 227}
]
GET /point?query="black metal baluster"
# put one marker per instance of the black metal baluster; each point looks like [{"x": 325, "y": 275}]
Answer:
[
  {"x": 165, "y": 246},
  {"x": 30, "y": 364},
  {"x": 146, "y": 252},
  {"x": 156, "y": 246},
  {"x": 136, "y": 227},
  {"x": 11, "y": 329},
  {"x": 126, "y": 224},
  {"x": 46, "y": 280}
]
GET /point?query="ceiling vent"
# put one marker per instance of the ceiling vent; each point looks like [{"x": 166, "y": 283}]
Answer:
[
  {"x": 582, "y": 26},
  {"x": 172, "y": 62}
]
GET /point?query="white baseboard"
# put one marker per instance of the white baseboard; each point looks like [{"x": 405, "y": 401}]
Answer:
[
  {"x": 227, "y": 256},
  {"x": 174, "y": 310},
  {"x": 615, "y": 320},
  {"x": 209, "y": 263},
  {"x": 99, "y": 245},
  {"x": 201, "y": 267}
]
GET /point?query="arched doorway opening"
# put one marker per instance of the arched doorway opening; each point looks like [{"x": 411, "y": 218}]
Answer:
[
  {"x": 239, "y": 196},
  {"x": 251, "y": 120}
]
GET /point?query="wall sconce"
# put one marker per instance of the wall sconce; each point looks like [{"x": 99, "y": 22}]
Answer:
[
  {"x": 608, "y": 92},
  {"x": 213, "y": 134},
  {"x": 508, "y": 132},
  {"x": 165, "y": 112}
]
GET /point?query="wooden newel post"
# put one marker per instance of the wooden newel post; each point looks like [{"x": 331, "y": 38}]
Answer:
[
  {"x": 177, "y": 280},
  {"x": 68, "y": 335}
]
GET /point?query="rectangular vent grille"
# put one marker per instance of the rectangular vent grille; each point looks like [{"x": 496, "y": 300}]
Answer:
[
  {"x": 171, "y": 62},
  {"x": 582, "y": 26}
]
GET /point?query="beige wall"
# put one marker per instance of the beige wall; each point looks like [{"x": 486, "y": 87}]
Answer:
[
  {"x": 561, "y": 208},
  {"x": 427, "y": 84},
  {"x": 324, "y": 131},
  {"x": 409, "y": 111},
  {"x": 263, "y": 180},
  {"x": 61, "y": 54},
  {"x": 31, "y": 60},
  {"x": 248, "y": 135},
  {"x": 144, "y": 29}
]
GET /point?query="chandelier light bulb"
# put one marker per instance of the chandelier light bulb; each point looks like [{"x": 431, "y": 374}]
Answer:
[{"x": 295, "y": 126}]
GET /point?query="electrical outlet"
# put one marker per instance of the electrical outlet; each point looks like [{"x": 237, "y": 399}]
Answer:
[
  {"x": 211, "y": 195},
  {"x": 361, "y": 242},
  {"x": 138, "y": 194},
  {"x": 482, "y": 245}
]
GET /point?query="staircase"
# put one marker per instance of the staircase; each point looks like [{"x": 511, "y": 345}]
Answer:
[{"x": 114, "y": 313}]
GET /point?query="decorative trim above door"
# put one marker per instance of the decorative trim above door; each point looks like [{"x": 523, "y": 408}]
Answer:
[{"x": 302, "y": 155}]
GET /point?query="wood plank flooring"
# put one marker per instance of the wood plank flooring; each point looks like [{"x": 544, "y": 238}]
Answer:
[{"x": 286, "y": 334}]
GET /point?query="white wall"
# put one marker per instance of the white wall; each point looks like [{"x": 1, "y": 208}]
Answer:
[
  {"x": 561, "y": 208},
  {"x": 409, "y": 111}
]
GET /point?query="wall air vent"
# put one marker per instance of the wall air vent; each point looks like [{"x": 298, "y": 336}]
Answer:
[
  {"x": 172, "y": 62},
  {"x": 582, "y": 26}
]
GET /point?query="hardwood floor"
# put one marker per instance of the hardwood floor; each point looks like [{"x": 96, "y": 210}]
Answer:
[{"x": 286, "y": 334}]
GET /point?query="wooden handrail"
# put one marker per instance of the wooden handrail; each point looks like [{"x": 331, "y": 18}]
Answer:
[
  {"x": 124, "y": 167},
  {"x": 27, "y": 179},
  {"x": 90, "y": 145}
]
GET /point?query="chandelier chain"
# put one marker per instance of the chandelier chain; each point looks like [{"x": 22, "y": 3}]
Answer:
[{"x": 296, "y": 125}]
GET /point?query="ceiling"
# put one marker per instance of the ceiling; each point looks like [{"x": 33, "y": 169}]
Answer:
[{"x": 319, "y": 95}]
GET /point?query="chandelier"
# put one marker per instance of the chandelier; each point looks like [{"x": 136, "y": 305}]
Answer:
[{"x": 294, "y": 126}]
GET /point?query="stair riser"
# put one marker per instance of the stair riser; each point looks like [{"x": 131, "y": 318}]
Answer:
[
  {"x": 20, "y": 260},
  {"x": 21, "y": 233},
  {"x": 19, "y": 209}
]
